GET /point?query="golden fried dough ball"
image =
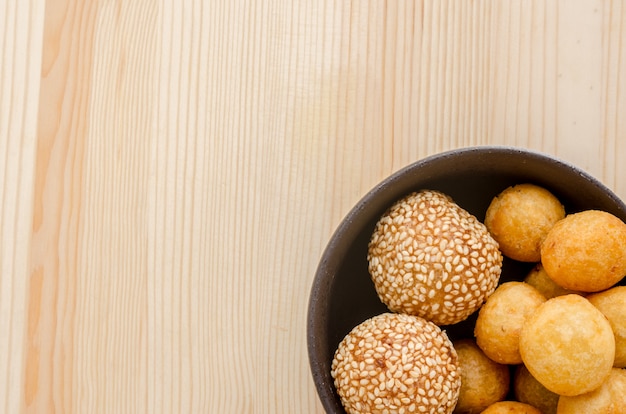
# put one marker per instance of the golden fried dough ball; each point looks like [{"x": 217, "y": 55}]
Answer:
[
  {"x": 530, "y": 391},
  {"x": 568, "y": 345},
  {"x": 612, "y": 304},
  {"x": 539, "y": 279},
  {"x": 430, "y": 258},
  {"x": 520, "y": 217},
  {"x": 501, "y": 318},
  {"x": 617, "y": 385},
  {"x": 483, "y": 381},
  {"x": 609, "y": 398},
  {"x": 511, "y": 407},
  {"x": 395, "y": 361},
  {"x": 586, "y": 251}
]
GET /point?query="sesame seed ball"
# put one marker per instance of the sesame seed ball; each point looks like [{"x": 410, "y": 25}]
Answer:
[
  {"x": 396, "y": 363},
  {"x": 431, "y": 258}
]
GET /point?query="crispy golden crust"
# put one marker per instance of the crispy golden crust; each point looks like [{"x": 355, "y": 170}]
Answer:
[
  {"x": 530, "y": 391},
  {"x": 520, "y": 217},
  {"x": 568, "y": 345},
  {"x": 511, "y": 407},
  {"x": 609, "y": 398},
  {"x": 501, "y": 318},
  {"x": 586, "y": 251},
  {"x": 539, "y": 279},
  {"x": 612, "y": 304},
  {"x": 483, "y": 381}
]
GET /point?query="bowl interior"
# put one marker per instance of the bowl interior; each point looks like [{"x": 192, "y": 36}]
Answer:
[{"x": 343, "y": 295}]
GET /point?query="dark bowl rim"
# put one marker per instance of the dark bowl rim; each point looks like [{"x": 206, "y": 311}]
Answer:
[{"x": 342, "y": 236}]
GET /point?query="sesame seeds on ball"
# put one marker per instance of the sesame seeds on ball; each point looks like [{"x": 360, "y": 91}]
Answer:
[
  {"x": 431, "y": 258},
  {"x": 396, "y": 363}
]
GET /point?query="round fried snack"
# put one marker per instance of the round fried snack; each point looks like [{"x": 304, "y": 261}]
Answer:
[
  {"x": 586, "y": 251},
  {"x": 501, "y": 318},
  {"x": 520, "y": 217},
  {"x": 511, "y": 407},
  {"x": 539, "y": 279},
  {"x": 530, "y": 391},
  {"x": 612, "y": 304},
  {"x": 609, "y": 398},
  {"x": 430, "y": 258},
  {"x": 568, "y": 345},
  {"x": 483, "y": 381},
  {"x": 394, "y": 362}
]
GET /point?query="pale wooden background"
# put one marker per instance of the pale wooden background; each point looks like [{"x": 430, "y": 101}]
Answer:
[{"x": 170, "y": 171}]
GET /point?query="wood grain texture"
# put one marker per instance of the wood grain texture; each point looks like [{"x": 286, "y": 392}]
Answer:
[
  {"x": 21, "y": 26},
  {"x": 170, "y": 171}
]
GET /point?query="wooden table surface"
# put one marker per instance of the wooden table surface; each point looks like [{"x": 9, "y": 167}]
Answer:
[{"x": 170, "y": 171}]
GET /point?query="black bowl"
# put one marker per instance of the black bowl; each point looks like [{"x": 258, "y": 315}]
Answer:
[{"x": 343, "y": 295}]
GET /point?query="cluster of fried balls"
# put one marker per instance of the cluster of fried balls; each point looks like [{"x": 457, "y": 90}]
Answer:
[{"x": 552, "y": 343}]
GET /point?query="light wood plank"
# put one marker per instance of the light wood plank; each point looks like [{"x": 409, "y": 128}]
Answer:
[
  {"x": 20, "y": 57},
  {"x": 53, "y": 357},
  {"x": 162, "y": 224}
]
